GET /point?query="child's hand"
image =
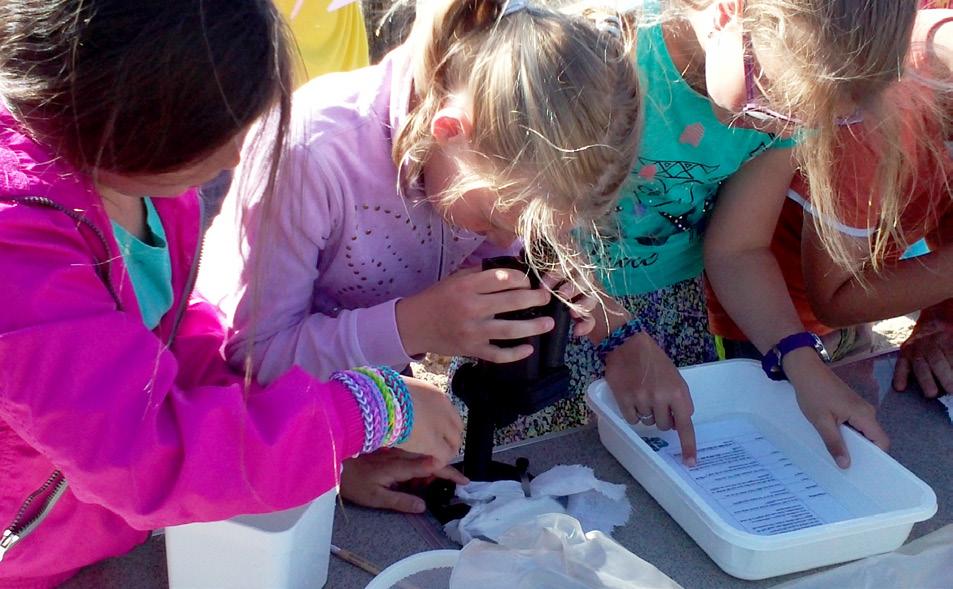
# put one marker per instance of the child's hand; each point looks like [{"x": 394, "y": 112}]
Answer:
[
  {"x": 583, "y": 305},
  {"x": 928, "y": 353},
  {"x": 456, "y": 315},
  {"x": 828, "y": 402},
  {"x": 438, "y": 429},
  {"x": 648, "y": 387},
  {"x": 370, "y": 480}
]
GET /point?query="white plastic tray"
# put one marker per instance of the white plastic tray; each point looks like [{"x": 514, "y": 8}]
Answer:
[{"x": 885, "y": 499}]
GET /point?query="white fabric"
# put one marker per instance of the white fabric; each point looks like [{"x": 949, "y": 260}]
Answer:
[
  {"x": 572, "y": 489},
  {"x": 552, "y": 552},
  {"x": 925, "y": 562}
]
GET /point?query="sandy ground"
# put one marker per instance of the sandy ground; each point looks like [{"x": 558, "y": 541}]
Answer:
[
  {"x": 895, "y": 331},
  {"x": 887, "y": 334}
]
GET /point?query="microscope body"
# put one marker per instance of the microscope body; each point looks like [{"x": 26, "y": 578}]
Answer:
[{"x": 497, "y": 394}]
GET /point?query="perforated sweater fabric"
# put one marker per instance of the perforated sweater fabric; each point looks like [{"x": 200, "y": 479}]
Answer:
[{"x": 344, "y": 244}]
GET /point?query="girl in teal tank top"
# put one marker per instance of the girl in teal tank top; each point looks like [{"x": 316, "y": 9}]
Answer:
[
  {"x": 725, "y": 91},
  {"x": 651, "y": 262}
]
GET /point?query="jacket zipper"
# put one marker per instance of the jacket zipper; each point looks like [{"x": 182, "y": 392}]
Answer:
[
  {"x": 52, "y": 490},
  {"x": 106, "y": 275},
  {"x": 24, "y": 523},
  {"x": 193, "y": 275}
]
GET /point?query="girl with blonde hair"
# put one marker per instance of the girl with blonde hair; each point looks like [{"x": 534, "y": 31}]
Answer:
[
  {"x": 872, "y": 281},
  {"x": 497, "y": 121},
  {"x": 831, "y": 69},
  {"x": 725, "y": 81}
]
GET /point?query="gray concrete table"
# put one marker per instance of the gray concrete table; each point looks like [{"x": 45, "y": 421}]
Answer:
[{"x": 922, "y": 440}]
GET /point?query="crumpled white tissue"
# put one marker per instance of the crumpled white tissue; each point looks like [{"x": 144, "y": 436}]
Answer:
[
  {"x": 573, "y": 489},
  {"x": 925, "y": 562},
  {"x": 552, "y": 552},
  {"x": 947, "y": 401}
]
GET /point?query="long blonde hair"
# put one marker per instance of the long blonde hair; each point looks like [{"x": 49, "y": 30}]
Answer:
[
  {"x": 842, "y": 52},
  {"x": 556, "y": 114},
  {"x": 838, "y": 54}
]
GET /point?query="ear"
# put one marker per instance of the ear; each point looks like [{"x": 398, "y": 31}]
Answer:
[{"x": 451, "y": 124}]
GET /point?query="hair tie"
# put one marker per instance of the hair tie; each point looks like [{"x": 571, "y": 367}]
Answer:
[
  {"x": 611, "y": 25},
  {"x": 514, "y": 6}
]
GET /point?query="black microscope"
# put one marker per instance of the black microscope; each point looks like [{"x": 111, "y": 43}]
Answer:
[{"x": 497, "y": 394}]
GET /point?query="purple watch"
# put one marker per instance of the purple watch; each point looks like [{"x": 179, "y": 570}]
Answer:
[{"x": 771, "y": 362}]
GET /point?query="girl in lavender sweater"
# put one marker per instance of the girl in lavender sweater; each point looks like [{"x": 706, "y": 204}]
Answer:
[{"x": 496, "y": 123}]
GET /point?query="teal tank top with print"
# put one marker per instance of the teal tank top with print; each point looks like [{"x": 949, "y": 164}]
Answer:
[{"x": 686, "y": 153}]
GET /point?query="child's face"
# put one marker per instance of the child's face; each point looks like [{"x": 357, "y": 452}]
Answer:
[
  {"x": 737, "y": 79},
  {"x": 175, "y": 183},
  {"x": 476, "y": 212}
]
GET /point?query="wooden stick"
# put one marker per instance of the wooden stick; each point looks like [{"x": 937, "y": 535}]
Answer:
[
  {"x": 355, "y": 559},
  {"x": 365, "y": 565}
]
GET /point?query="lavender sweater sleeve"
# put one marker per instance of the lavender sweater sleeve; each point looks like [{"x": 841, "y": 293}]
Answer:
[{"x": 272, "y": 316}]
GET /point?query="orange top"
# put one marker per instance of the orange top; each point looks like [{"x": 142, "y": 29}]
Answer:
[{"x": 927, "y": 208}]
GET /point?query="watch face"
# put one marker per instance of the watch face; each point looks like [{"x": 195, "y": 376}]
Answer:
[
  {"x": 771, "y": 364},
  {"x": 821, "y": 350}
]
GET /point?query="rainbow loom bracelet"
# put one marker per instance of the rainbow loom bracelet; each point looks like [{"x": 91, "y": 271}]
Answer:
[
  {"x": 398, "y": 425},
  {"x": 380, "y": 405},
  {"x": 385, "y": 390},
  {"x": 618, "y": 337},
  {"x": 399, "y": 413},
  {"x": 362, "y": 402},
  {"x": 381, "y": 426},
  {"x": 403, "y": 403},
  {"x": 392, "y": 413},
  {"x": 397, "y": 384}
]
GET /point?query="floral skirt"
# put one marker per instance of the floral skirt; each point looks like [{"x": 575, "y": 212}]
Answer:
[{"x": 675, "y": 316}]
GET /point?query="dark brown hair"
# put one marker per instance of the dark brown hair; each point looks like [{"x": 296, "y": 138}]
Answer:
[{"x": 142, "y": 87}]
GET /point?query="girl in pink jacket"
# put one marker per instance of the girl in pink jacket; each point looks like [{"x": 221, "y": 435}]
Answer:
[{"x": 118, "y": 413}]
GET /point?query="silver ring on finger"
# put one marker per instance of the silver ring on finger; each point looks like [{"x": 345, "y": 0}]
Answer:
[{"x": 647, "y": 419}]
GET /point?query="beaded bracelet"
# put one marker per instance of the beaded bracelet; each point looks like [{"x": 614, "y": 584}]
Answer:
[
  {"x": 402, "y": 393},
  {"x": 367, "y": 413},
  {"x": 394, "y": 419},
  {"x": 618, "y": 337},
  {"x": 382, "y": 425}
]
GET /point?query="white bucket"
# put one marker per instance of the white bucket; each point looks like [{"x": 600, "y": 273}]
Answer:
[{"x": 283, "y": 550}]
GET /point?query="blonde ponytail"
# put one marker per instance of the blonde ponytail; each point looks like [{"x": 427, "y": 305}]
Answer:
[{"x": 556, "y": 114}]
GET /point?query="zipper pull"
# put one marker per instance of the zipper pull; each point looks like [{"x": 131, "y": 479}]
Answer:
[{"x": 7, "y": 542}]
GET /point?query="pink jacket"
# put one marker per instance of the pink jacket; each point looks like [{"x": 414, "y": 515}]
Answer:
[{"x": 150, "y": 429}]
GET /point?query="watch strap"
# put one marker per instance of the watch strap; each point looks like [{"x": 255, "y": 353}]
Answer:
[{"x": 771, "y": 362}]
